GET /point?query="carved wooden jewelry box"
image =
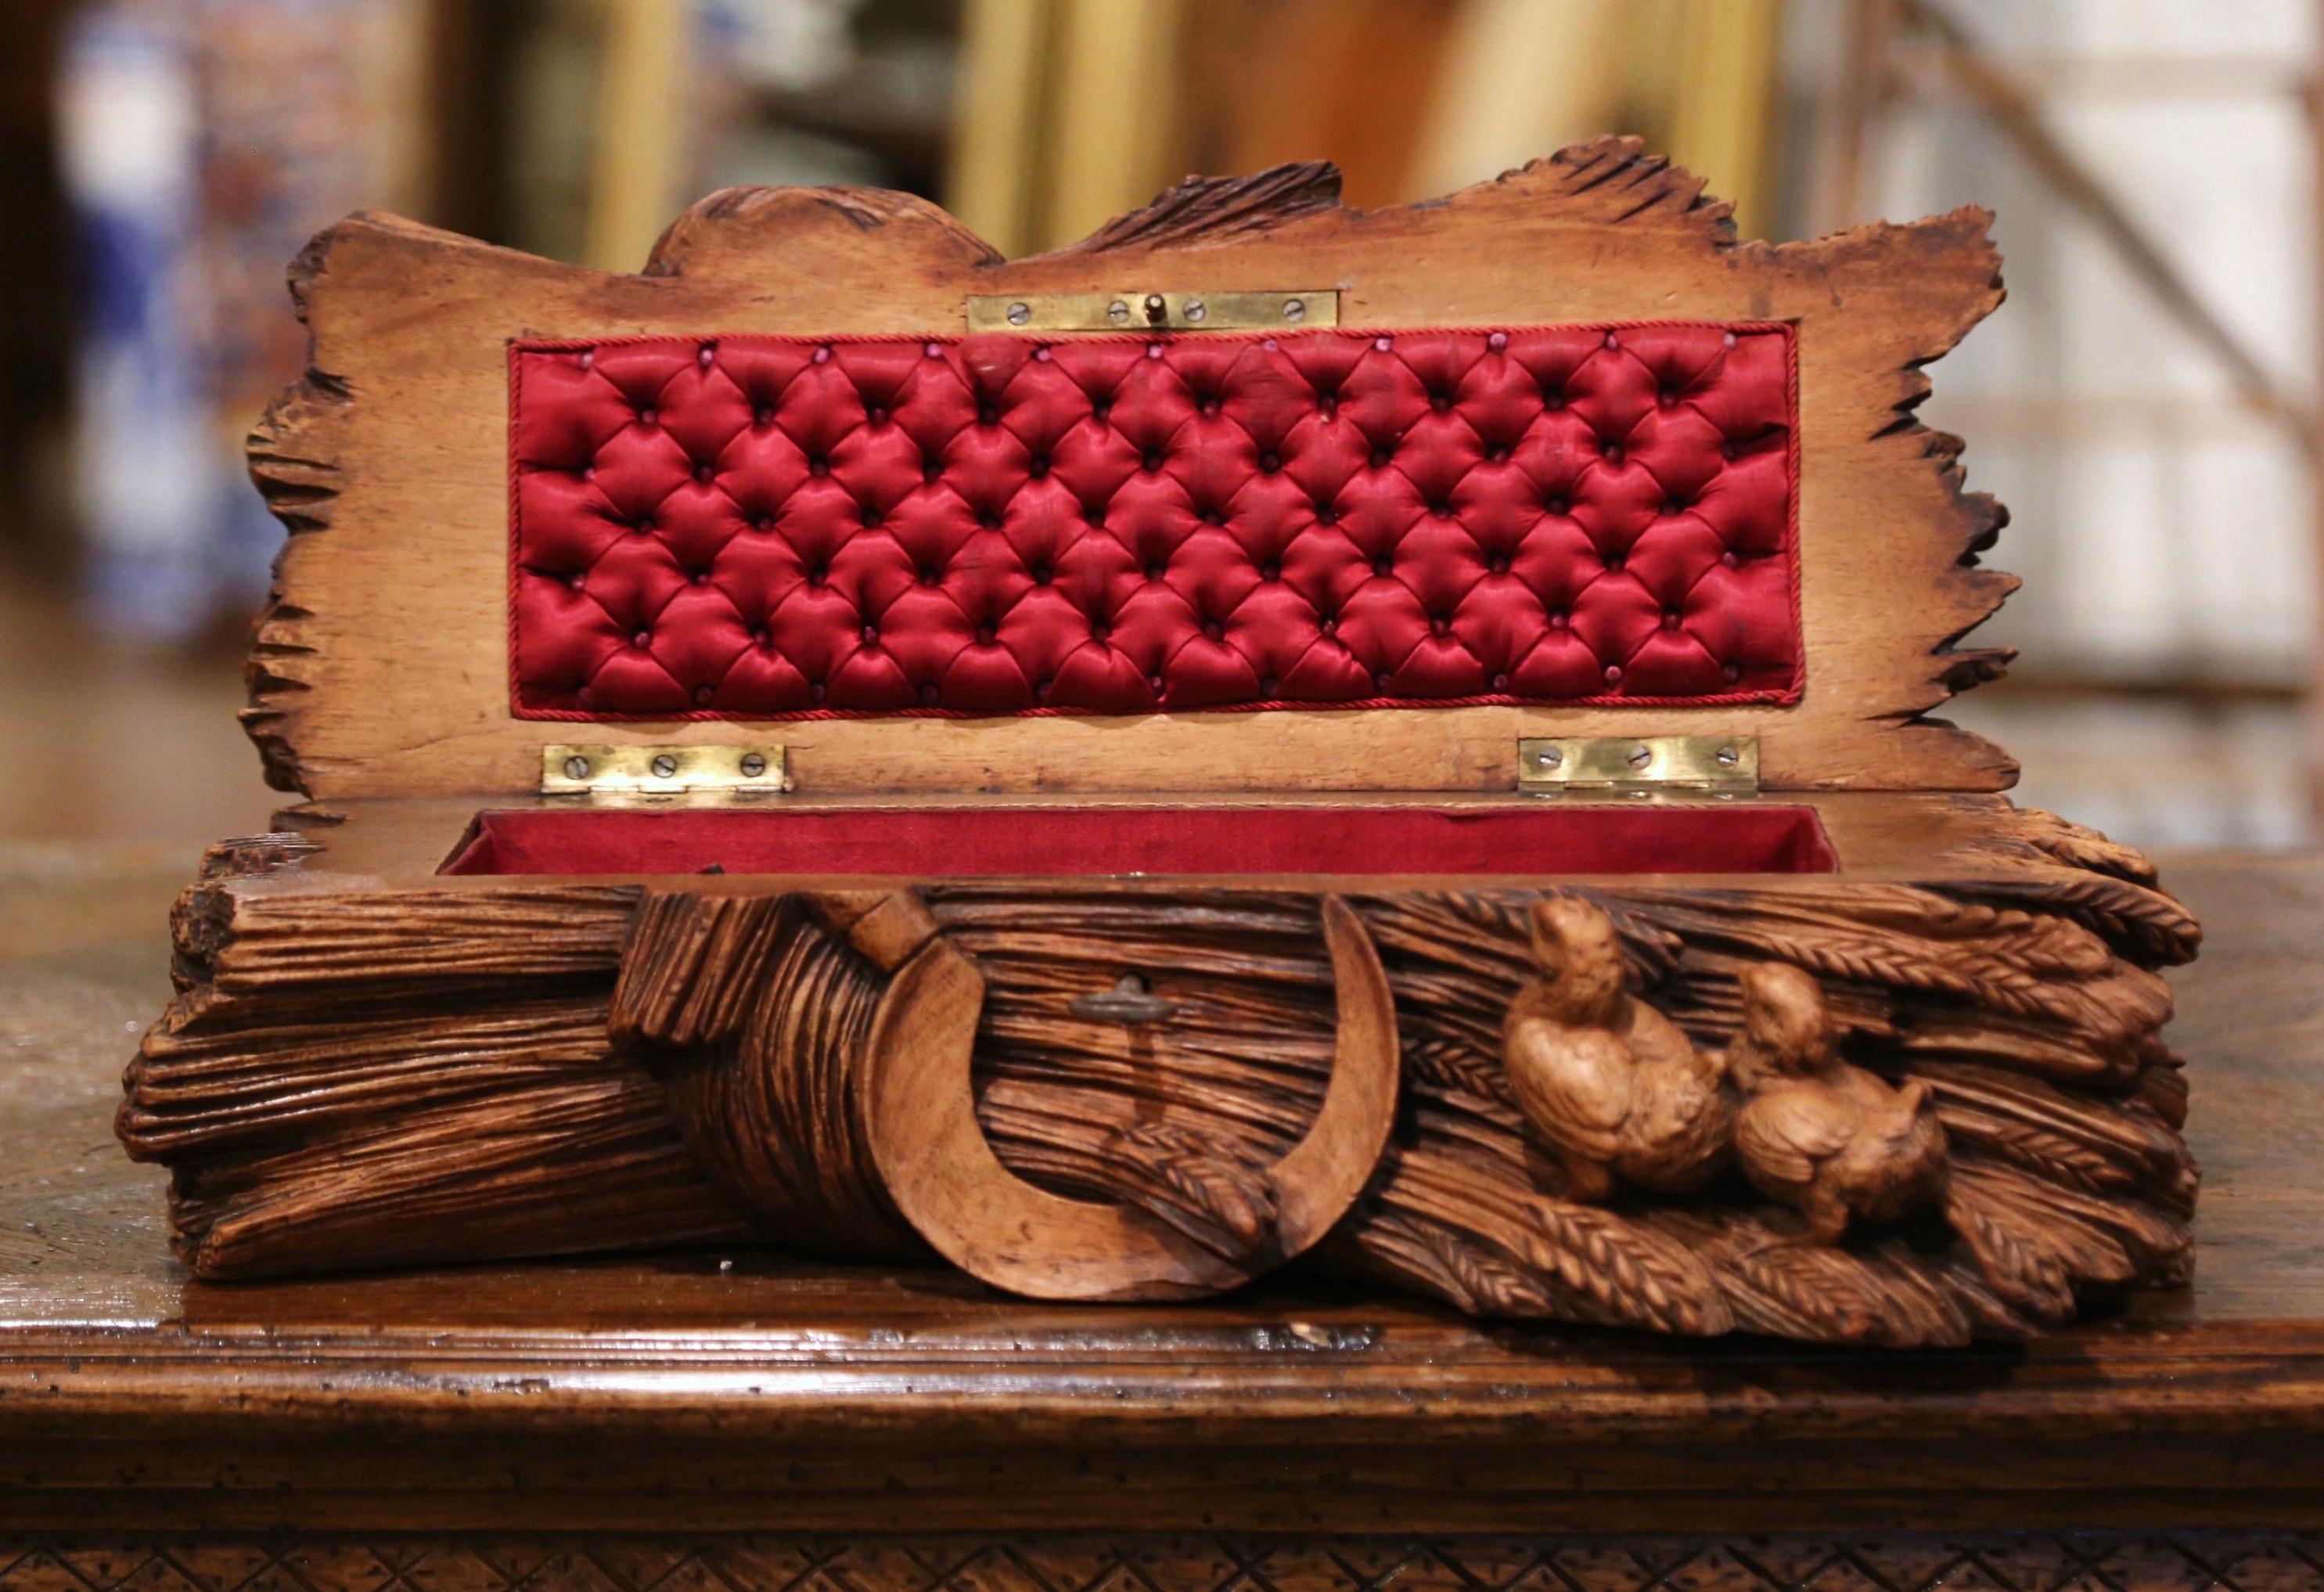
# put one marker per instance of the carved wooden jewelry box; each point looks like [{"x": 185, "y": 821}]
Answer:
[{"x": 1394, "y": 737}]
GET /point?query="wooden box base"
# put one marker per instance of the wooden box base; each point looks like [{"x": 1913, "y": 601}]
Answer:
[{"x": 372, "y": 1062}]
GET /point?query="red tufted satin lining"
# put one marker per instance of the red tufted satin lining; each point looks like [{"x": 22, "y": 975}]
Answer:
[
  {"x": 757, "y": 527},
  {"x": 991, "y": 842}
]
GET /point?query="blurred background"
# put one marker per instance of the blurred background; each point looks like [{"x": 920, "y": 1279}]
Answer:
[{"x": 2145, "y": 403}]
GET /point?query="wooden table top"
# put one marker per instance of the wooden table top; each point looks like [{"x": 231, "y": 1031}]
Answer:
[{"x": 712, "y": 1390}]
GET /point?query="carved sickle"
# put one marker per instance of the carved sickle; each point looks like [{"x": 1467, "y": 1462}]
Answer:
[{"x": 944, "y": 1178}]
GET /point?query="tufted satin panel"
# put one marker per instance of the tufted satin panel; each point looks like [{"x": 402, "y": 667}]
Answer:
[{"x": 756, "y": 527}]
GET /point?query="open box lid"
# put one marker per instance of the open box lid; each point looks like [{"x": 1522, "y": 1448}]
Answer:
[{"x": 1247, "y": 491}]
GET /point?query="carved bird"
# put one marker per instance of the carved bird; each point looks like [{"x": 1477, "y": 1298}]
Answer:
[
  {"x": 1827, "y": 1138},
  {"x": 1613, "y": 1085}
]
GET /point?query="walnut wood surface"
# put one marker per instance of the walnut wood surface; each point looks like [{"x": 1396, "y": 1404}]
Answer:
[
  {"x": 675, "y": 1394},
  {"x": 380, "y": 668}
]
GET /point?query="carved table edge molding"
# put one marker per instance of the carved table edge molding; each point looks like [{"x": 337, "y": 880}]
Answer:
[{"x": 2004, "y": 1562}]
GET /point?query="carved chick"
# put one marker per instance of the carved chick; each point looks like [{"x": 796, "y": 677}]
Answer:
[
  {"x": 1618, "y": 1090},
  {"x": 1829, "y": 1139}
]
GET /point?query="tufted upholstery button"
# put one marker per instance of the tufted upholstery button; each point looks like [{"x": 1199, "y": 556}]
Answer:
[
  {"x": 1154, "y": 684},
  {"x": 1613, "y": 674},
  {"x": 809, "y": 452},
  {"x": 870, "y": 635},
  {"x": 702, "y": 695}
]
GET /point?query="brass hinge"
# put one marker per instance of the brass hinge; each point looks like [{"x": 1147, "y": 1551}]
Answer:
[
  {"x": 1144, "y": 310},
  {"x": 662, "y": 771},
  {"x": 1644, "y": 766}
]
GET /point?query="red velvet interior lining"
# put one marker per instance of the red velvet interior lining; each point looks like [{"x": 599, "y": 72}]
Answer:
[
  {"x": 761, "y": 527},
  {"x": 998, "y": 841}
]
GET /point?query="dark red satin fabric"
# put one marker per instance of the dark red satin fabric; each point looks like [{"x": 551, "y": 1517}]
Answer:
[
  {"x": 991, "y": 842},
  {"x": 759, "y": 527}
]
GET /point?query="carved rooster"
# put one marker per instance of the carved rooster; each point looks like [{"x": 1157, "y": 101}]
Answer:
[
  {"x": 1827, "y": 1138},
  {"x": 1610, "y": 1082}
]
